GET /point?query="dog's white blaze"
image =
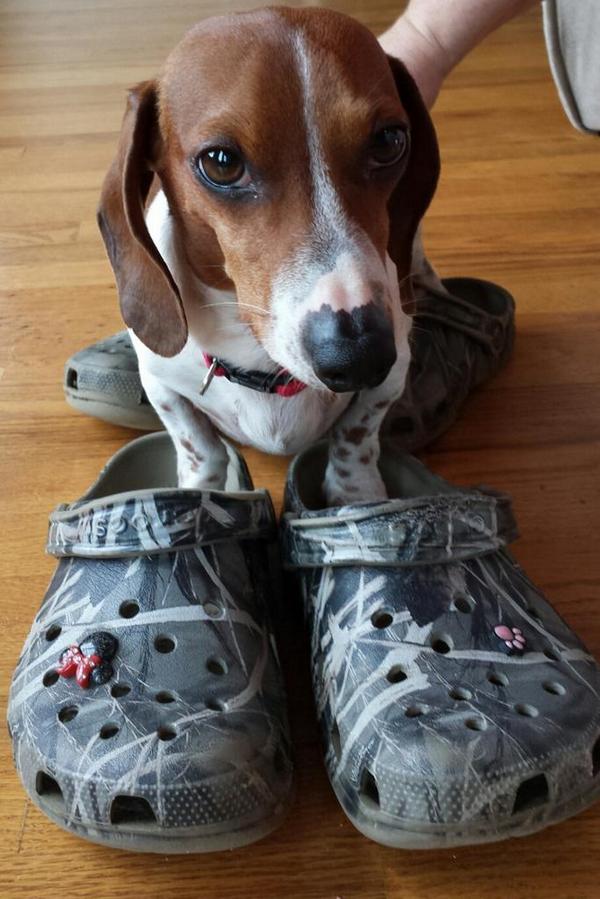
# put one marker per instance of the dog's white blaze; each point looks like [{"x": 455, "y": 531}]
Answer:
[
  {"x": 336, "y": 264},
  {"x": 329, "y": 217}
]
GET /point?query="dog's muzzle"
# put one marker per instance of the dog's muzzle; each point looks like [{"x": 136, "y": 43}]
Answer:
[{"x": 349, "y": 351}]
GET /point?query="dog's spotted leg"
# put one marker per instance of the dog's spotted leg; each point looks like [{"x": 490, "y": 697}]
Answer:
[
  {"x": 201, "y": 454},
  {"x": 352, "y": 474}
]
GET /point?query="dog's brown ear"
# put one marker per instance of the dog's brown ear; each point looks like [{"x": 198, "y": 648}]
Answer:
[
  {"x": 414, "y": 191},
  {"x": 150, "y": 300}
]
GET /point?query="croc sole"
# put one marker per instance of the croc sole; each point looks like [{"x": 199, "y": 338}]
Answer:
[
  {"x": 142, "y": 418},
  {"x": 185, "y": 841},
  {"x": 442, "y": 836}
]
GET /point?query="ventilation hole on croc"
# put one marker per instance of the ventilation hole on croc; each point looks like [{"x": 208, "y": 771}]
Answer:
[
  {"x": 46, "y": 786},
  {"x": 119, "y": 690},
  {"x": 166, "y": 733},
  {"x": 368, "y": 791},
  {"x": 498, "y": 679},
  {"x": 476, "y": 723},
  {"x": 415, "y": 711},
  {"x": 396, "y": 674},
  {"x": 441, "y": 644},
  {"x": 53, "y": 632},
  {"x": 164, "y": 643},
  {"x": 552, "y": 655},
  {"x": 212, "y": 609},
  {"x": 165, "y": 697},
  {"x": 403, "y": 425},
  {"x": 217, "y": 666},
  {"x": 68, "y": 713},
  {"x": 216, "y": 705},
  {"x": 381, "y": 618},
  {"x": 596, "y": 757},
  {"x": 463, "y": 603},
  {"x": 336, "y": 740},
  {"x": 531, "y": 792},
  {"x": 460, "y": 693},
  {"x": 526, "y": 710},
  {"x": 128, "y": 609},
  {"x": 50, "y": 678},
  {"x": 72, "y": 379},
  {"x": 533, "y": 613},
  {"x": 554, "y": 687},
  {"x": 131, "y": 810},
  {"x": 107, "y": 731}
]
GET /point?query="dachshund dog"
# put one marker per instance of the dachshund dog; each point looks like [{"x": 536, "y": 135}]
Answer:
[{"x": 261, "y": 218}]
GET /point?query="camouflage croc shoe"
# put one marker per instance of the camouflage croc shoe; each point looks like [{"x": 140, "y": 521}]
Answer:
[
  {"x": 147, "y": 710},
  {"x": 456, "y": 706},
  {"x": 461, "y": 337}
]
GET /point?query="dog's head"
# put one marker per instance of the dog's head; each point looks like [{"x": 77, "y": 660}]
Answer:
[{"x": 295, "y": 158}]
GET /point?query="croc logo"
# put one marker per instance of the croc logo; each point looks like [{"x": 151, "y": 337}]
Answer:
[{"x": 90, "y": 661}]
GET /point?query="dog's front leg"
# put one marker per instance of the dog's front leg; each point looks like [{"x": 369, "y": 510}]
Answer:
[
  {"x": 352, "y": 473},
  {"x": 201, "y": 454}
]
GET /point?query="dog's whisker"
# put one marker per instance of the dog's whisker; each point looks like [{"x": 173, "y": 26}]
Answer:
[{"x": 237, "y": 305}]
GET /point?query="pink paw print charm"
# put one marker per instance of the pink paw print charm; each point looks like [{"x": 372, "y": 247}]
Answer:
[{"x": 511, "y": 636}]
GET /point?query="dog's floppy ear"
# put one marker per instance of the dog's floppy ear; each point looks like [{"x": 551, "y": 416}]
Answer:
[
  {"x": 150, "y": 300},
  {"x": 414, "y": 191}
]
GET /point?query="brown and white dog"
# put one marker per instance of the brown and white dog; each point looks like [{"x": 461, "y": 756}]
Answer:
[{"x": 261, "y": 211}]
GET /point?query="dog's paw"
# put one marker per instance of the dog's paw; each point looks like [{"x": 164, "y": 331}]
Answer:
[{"x": 342, "y": 486}]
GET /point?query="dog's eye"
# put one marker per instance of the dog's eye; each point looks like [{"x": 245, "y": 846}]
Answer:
[
  {"x": 222, "y": 166},
  {"x": 388, "y": 146}
]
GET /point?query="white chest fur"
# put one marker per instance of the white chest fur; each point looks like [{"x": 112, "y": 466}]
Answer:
[{"x": 268, "y": 422}]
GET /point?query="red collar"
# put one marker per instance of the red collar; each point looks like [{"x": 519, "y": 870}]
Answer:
[{"x": 281, "y": 382}]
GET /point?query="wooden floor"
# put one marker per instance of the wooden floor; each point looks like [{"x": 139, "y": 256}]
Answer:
[{"x": 518, "y": 203}]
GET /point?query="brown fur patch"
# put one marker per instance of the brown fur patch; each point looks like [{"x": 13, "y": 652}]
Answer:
[
  {"x": 340, "y": 452},
  {"x": 355, "y": 435},
  {"x": 342, "y": 472}
]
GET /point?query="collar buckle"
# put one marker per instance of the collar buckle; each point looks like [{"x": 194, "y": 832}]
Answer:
[{"x": 208, "y": 377}]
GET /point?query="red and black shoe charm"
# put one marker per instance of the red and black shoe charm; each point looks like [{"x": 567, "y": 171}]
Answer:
[{"x": 91, "y": 660}]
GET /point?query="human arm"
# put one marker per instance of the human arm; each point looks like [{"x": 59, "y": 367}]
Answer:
[{"x": 432, "y": 36}]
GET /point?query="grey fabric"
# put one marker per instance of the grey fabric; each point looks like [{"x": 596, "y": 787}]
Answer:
[
  {"x": 572, "y": 31},
  {"x": 456, "y": 706},
  {"x": 183, "y": 744}
]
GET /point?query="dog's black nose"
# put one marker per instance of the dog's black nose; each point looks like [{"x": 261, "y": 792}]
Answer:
[{"x": 349, "y": 351}]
